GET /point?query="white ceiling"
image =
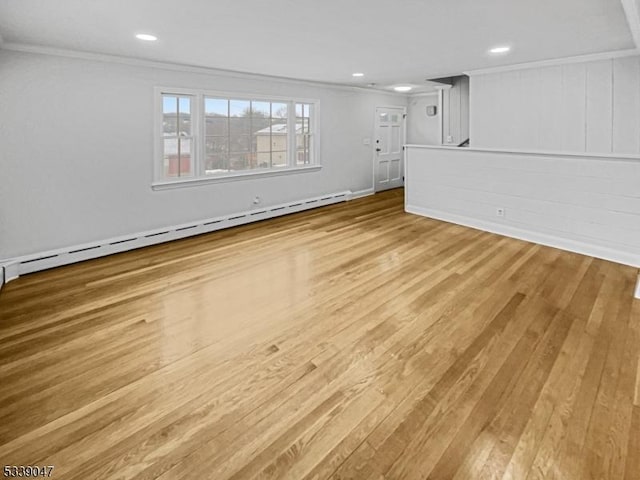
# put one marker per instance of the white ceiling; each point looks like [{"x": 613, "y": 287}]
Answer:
[{"x": 401, "y": 41}]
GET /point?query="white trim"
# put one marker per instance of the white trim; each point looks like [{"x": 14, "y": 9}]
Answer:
[
  {"x": 362, "y": 193},
  {"x": 556, "y": 61},
  {"x": 637, "y": 292},
  {"x": 54, "y": 258},
  {"x": 424, "y": 94},
  {"x": 232, "y": 177},
  {"x": 10, "y": 270},
  {"x": 233, "y": 95},
  {"x": 543, "y": 153},
  {"x": 633, "y": 18},
  {"x": 440, "y": 116},
  {"x": 179, "y": 67},
  {"x": 575, "y": 246}
]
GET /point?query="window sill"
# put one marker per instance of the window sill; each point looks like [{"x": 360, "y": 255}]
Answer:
[{"x": 231, "y": 177}]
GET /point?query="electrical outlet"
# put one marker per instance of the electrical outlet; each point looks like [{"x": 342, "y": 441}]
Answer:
[
  {"x": 500, "y": 212},
  {"x": 449, "y": 138},
  {"x": 257, "y": 200}
]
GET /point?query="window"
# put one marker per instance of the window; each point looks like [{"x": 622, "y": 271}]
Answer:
[{"x": 208, "y": 136}]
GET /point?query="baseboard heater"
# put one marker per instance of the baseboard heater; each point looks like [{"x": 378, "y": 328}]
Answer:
[{"x": 13, "y": 268}]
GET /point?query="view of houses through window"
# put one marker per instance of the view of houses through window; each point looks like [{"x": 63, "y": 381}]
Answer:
[{"x": 237, "y": 135}]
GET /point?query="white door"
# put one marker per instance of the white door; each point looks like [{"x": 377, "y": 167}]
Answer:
[{"x": 389, "y": 139}]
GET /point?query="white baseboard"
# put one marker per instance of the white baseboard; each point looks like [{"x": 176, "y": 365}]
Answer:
[
  {"x": 617, "y": 256},
  {"x": 9, "y": 270},
  {"x": 13, "y": 268},
  {"x": 362, "y": 193},
  {"x": 637, "y": 293}
]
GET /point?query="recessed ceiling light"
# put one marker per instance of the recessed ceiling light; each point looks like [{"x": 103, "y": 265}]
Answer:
[
  {"x": 146, "y": 37},
  {"x": 402, "y": 88},
  {"x": 357, "y": 74},
  {"x": 504, "y": 49}
]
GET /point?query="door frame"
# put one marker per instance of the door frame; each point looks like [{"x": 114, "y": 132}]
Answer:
[{"x": 373, "y": 142}]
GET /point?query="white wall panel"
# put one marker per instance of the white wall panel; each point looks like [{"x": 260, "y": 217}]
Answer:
[
  {"x": 599, "y": 106},
  {"x": 577, "y": 107},
  {"x": 525, "y": 112},
  {"x": 550, "y": 98},
  {"x": 573, "y": 108},
  {"x": 507, "y": 108},
  {"x": 626, "y": 105},
  {"x": 581, "y": 203}
]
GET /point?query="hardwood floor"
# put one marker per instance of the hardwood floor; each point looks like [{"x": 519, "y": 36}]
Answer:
[{"x": 352, "y": 341}]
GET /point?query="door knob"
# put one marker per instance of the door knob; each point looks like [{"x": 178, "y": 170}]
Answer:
[{"x": 378, "y": 149}]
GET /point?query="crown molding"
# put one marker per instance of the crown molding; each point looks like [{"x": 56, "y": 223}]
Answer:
[
  {"x": 424, "y": 94},
  {"x": 179, "y": 67},
  {"x": 632, "y": 12},
  {"x": 556, "y": 61}
]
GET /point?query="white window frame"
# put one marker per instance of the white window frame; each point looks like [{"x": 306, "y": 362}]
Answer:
[{"x": 198, "y": 133}]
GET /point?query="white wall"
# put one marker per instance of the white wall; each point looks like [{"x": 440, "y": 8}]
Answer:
[
  {"x": 586, "y": 204},
  {"x": 76, "y": 150},
  {"x": 422, "y": 129},
  {"x": 577, "y": 107}
]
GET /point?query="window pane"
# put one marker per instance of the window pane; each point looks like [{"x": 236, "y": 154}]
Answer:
[
  {"x": 184, "y": 115},
  {"x": 217, "y": 126},
  {"x": 185, "y": 157},
  {"x": 216, "y": 164},
  {"x": 262, "y": 142},
  {"x": 216, "y": 145},
  {"x": 278, "y": 126},
  {"x": 279, "y": 110},
  {"x": 279, "y": 137},
  {"x": 240, "y": 108},
  {"x": 260, "y": 109},
  {"x": 241, "y": 161},
  {"x": 279, "y": 158},
  {"x": 169, "y": 115},
  {"x": 169, "y": 124},
  {"x": 240, "y": 126},
  {"x": 263, "y": 159},
  {"x": 279, "y": 142},
  {"x": 177, "y": 157},
  {"x": 184, "y": 123},
  {"x": 303, "y": 149},
  {"x": 216, "y": 107},
  {"x": 184, "y": 103},
  {"x": 260, "y": 126},
  {"x": 240, "y": 143},
  {"x": 304, "y": 113},
  {"x": 303, "y": 110},
  {"x": 170, "y": 157},
  {"x": 169, "y": 104}
]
